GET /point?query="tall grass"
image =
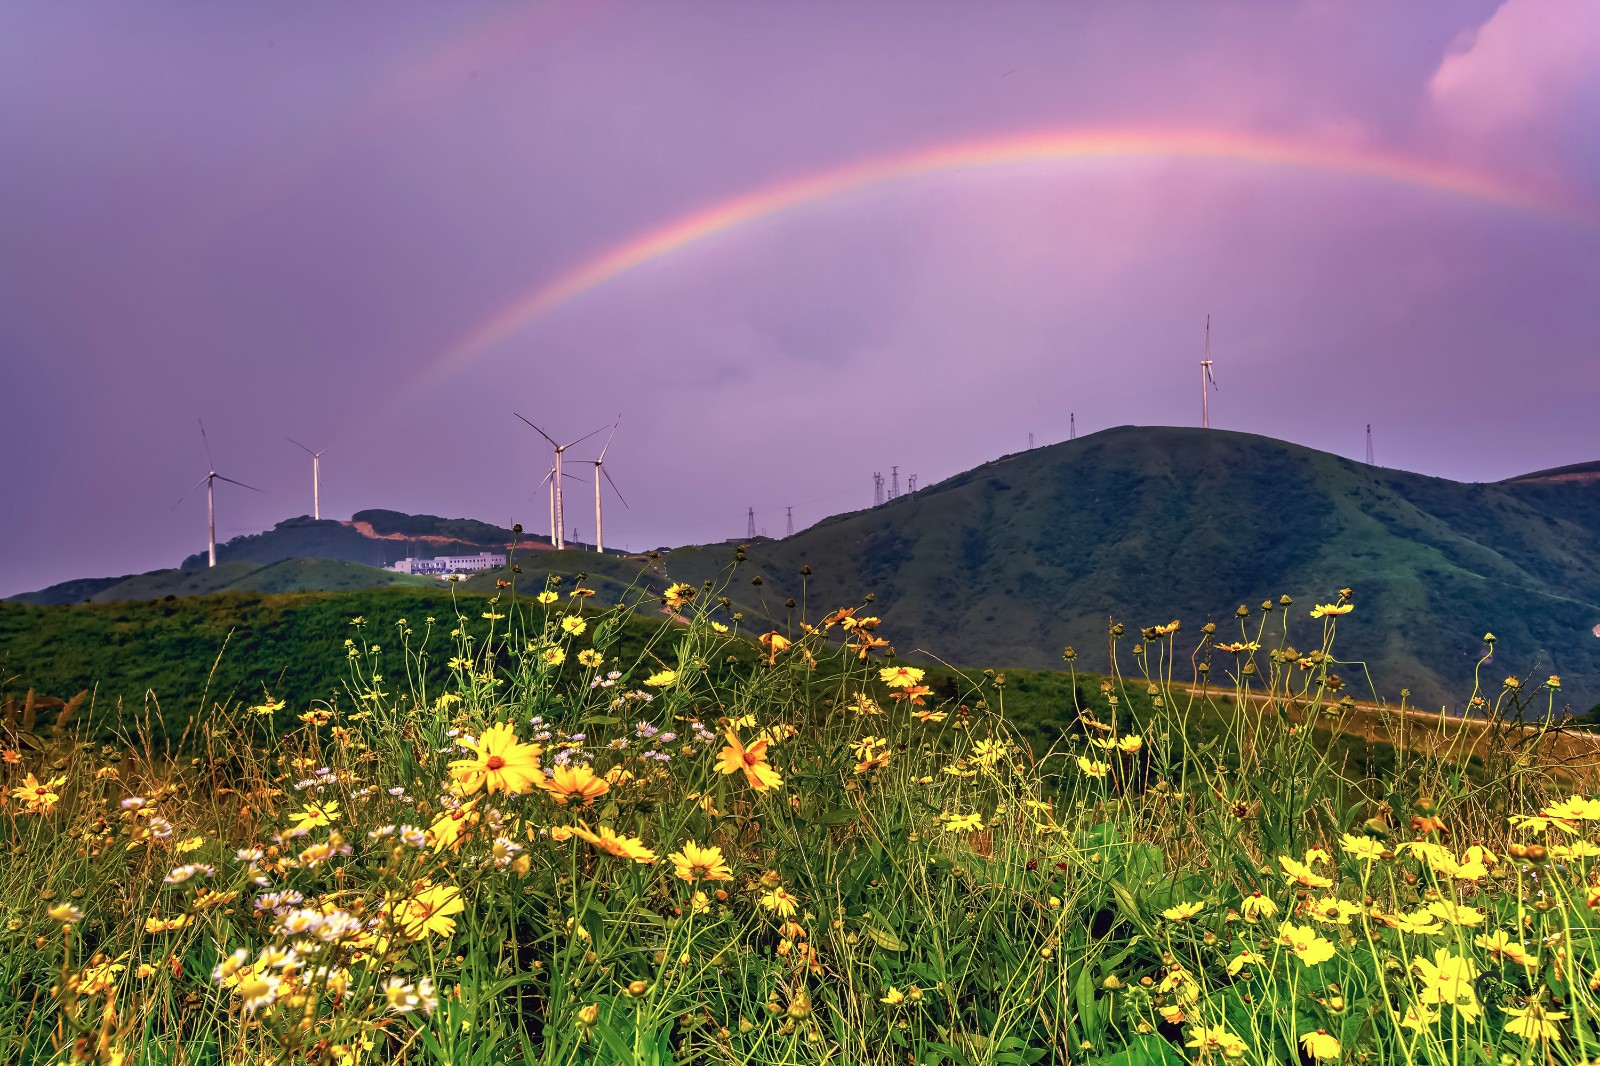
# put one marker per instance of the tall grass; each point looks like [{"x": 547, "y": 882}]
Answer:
[{"x": 784, "y": 848}]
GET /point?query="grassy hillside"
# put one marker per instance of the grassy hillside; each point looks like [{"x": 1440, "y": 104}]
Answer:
[
  {"x": 287, "y": 575},
  {"x": 1006, "y": 563}
]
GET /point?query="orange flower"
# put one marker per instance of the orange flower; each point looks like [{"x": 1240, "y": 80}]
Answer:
[
  {"x": 900, "y": 676},
  {"x": 622, "y": 847},
  {"x": 569, "y": 784},
  {"x": 752, "y": 760},
  {"x": 774, "y": 642}
]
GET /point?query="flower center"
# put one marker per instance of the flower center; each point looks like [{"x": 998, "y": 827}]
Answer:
[{"x": 495, "y": 762}]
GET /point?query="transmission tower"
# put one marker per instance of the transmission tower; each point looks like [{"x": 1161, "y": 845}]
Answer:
[
  {"x": 877, "y": 489},
  {"x": 894, "y": 483},
  {"x": 1370, "y": 460},
  {"x": 790, "y": 533},
  {"x": 1030, "y": 442},
  {"x": 1072, "y": 434},
  {"x": 911, "y": 484},
  {"x": 750, "y": 527}
]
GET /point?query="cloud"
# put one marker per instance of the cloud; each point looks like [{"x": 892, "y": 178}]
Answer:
[{"x": 1530, "y": 68}]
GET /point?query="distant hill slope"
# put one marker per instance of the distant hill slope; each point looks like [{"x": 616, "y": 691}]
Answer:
[
  {"x": 1005, "y": 564},
  {"x": 375, "y": 537},
  {"x": 288, "y": 575}
]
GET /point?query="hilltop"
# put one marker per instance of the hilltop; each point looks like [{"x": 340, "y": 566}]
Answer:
[
  {"x": 282, "y": 576},
  {"x": 1008, "y": 562}
]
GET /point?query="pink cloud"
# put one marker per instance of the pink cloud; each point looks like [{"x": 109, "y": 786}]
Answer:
[{"x": 1521, "y": 71}]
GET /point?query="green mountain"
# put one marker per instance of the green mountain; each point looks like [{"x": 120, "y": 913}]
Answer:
[
  {"x": 376, "y": 538},
  {"x": 1006, "y": 563},
  {"x": 287, "y": 575}
]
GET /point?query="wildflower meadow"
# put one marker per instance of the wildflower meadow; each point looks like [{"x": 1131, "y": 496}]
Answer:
[{"x": 511, "y": 843}]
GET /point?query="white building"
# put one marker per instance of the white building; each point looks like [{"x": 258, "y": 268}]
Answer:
[{"x": 450, "y": 564}]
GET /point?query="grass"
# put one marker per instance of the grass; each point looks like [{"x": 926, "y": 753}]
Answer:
[{"x": 530, "y": 831}]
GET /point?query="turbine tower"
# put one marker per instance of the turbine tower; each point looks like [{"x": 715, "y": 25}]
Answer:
[
  {"x": 1205, "y": 379},
  {"x": 209, "y": 481},
  {"x": 316, "y": 477},
  {"x": 599, "y": 469},
  {"x": 559, "y": 518},
  {"x": 1371, "y": 459}
]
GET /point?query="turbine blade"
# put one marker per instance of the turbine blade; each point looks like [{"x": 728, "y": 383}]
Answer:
[
  {"x": 241, "y": 484},
  {"x": 614, "y": 488},
  {"x": 581, "y": 439},
  {"x": 187, "y": 494},
  {"x": 613, "y": 433},
  {"x": 210, "y": 462},
  {"x": 302, "y": 447},
  {"x": 539, "y": 431}
]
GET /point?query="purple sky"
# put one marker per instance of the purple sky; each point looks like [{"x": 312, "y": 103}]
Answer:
[{"x": 277, "y": 217}]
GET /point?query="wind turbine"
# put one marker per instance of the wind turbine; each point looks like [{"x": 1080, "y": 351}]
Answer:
[
  {"x": 209, "y": 481},
  {"x": 599, "y": 469},
  {"x": 555, "y": 475},
  {"x": 316, "y": 477},
  {"x": 1205, "y": 379}
]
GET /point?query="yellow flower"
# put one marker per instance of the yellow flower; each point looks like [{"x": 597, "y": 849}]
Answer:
[
  {"x": 1182, "y": 912},
  {"x": 574, "y": 624},
  {"x": 1534, "y": 1022},
  {"x": 1333, "y": 911},
  {"x": 40, "y": 798},
  {"x": 1500, "y": 946},
  {"x": 590, "y": 658},
  {"x": 574, "y": 784},
  {"x": 661, "y": 679},
  {"x": 752, "y": 760},
  {"x": 1218, "y": 1039},
  {"x": 1130, "y": 744},
  {"x": 1329, "y": 610},
  {"x": 1418, "y": 923},
  {"x": 1448, "y": 978},
  {"x": 314, "y": 815},
  {"x": 450, "y": 829},
  {"x": 1243, "y": 959},
  {"x": 678, "y": 594},
  {"x": 900, "y": 676},
  {"x": 608, "y": 841},
  {"x": 962, "y": 823},
  {"x": 165, "y": 925},
  {"x": 1255, "y": 906},
  {"x": 428, "y": 909},
  {"x": 1320, "y": 1045},
  {"x": 695, "y": 863},
  {"x": 1455, "y": 913},
  {"x": 893, "y": 997},
  {"x": 1304, "y": 941},
  {"x": 1419, "y": 1016},
  {"x": 780, "y": 901},
  {"x": 1362, "y": 848},
  {"x": 502, "y": 763},
  {"x": 547, "y": 597},
  {"x": 1093, "y": 767},
  {"x": 554, "y": 656},
  {"x": 1302, "y": 873},
  {"x": 65, "y": 913}
]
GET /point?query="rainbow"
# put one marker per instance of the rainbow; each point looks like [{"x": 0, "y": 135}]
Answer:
[{"x": 1047, "y": 147}]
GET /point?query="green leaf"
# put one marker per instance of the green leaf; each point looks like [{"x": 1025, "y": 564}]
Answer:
[{"x": 885, "y": 939}]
